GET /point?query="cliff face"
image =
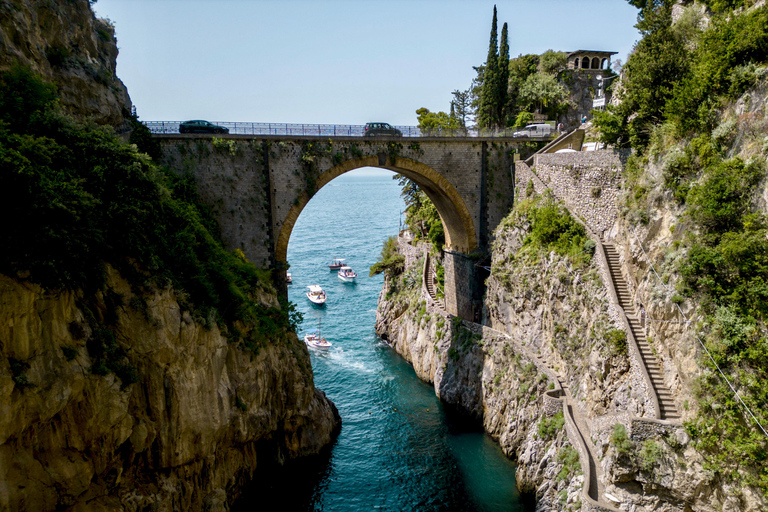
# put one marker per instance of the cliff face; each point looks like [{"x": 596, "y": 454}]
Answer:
[
  {"x": 548, "y": 322},
  {"x": 484, "y": 373},
  {"x": 67, "y": 45},
  {"x": 201, "y": 417}
]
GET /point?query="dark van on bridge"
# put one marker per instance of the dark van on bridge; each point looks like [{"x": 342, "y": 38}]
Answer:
[
  {"x": 199, "y": 126},
  {"x": 373, "y": 129}
]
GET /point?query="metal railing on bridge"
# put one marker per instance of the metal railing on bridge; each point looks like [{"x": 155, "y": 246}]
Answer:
[{"x": 329, "y": 130}]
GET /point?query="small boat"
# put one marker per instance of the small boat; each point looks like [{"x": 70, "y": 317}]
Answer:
[
  {"x": 336, "y": 264},
  {"x": 316, "y": 340},
  {"x": 288, "y": 278},
  {"x": 347, "y": 275},
  {"x": 316, "y": 294}
]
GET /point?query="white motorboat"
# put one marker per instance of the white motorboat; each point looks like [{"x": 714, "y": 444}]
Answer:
[
  {"x": 336, "y": 264},
  {"x": 316, "y": 340},
  {"x": 316, "y": 294},
  {"x": 347, "y": 275},
  {"x": 288, "y": 278}
]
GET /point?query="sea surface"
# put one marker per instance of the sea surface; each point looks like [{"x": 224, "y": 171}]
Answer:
[{"x": 399, "y": 449}]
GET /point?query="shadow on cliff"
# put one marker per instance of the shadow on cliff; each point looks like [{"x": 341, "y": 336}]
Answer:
[
  {"x": 460, "y": 387},
  {"x": 288, "y": 487}
]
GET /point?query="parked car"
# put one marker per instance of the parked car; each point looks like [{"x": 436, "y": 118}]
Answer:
[
  {"x": 535, "y": 130},
  {"x": 374, "y": 129},
  {"x": 199, "y": 126}
]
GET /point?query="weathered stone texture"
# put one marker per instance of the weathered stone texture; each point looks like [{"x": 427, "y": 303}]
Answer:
[
  {"x": 589, "y": 183},
  {"x": 188, "y": 435},
  {"x": 66, "y": 44},
  {"x": 258, "y": 186}
]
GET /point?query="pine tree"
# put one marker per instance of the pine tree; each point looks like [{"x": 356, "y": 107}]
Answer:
[
  {"x": 487, "y": 113},
  {"x": 462, "y": 105},
  {"x": 503, "y": 78}
]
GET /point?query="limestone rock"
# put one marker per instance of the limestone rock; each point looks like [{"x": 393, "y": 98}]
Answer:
[
  {"x": 67, "y": 45},
  {"x": 186, "y": 436}
]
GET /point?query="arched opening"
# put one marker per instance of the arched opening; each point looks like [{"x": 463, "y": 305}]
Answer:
[
  {"x": 367, "y": 379},
  {"x": 585, "y": 63},
  {"x": 460, "y": 235},
  {"x": 576, "y": 63},
  {"x": 595, "y": 63},
  {"x": 604, "y": 64}
]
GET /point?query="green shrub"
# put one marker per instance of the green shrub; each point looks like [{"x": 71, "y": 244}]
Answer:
[
  {"x": 722, "y": 198},
  {"x": 650, "y": 453},
  {"x": 553, "y": 229},
  {"x": 390, "y": 261},
  {"x": 569, "y": 458},
  {"x": 550, "y": 426},
  {"x": 617, "y": 340},
  {"x": 729, "y": 42},
  {"x": 620, "y": 440}
]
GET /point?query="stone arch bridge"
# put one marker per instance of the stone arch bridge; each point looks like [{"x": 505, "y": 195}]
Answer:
[{"x": 257, "y": 186}]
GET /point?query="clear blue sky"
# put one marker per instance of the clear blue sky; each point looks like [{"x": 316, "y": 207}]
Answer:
[{"x": 334, "y": 61}]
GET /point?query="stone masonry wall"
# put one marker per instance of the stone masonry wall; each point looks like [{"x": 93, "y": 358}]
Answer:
[
  {"x": 257, "y": 188},
  {"x": 589, "y": 183}
]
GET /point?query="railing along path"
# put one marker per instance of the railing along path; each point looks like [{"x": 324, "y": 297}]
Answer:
[{"x": 334, "y": 130}]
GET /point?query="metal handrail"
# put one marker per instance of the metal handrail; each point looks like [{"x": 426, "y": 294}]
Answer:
[{"x": 332, "y": 130}]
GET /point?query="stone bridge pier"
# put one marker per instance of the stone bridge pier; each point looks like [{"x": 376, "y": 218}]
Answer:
[{"x": 257, "y": 186}]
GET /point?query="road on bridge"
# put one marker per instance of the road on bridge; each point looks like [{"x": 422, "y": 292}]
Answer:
[{"x": 334, "y": 130}]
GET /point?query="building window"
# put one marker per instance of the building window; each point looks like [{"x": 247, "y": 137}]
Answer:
[
  {"x": 576, "y": 63},
  {"x": 585, "y": 63},
  {"x": 595, "y": 63}
]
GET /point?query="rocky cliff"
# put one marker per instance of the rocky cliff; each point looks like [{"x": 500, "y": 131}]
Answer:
[
  {"x": 549, "y": 324},
  {"x": 65, "y": 43},
  {"x": 121, "y": 398},
  {"x": 202, "y": 415},
  {"x": 486, "y": 374}
]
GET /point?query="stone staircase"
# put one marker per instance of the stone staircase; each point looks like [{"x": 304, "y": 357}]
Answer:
[
  {"x": 667, "y": 408},
  {"x": 429, "y": 280}
]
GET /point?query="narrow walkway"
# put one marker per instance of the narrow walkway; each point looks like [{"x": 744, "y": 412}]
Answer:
[
  {"x": 594, "y": 486},
  {"x": 430, "y": 280},
  {"x": 667, "y": 408}
]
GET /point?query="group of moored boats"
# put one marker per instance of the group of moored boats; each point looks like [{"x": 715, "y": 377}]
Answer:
[{"x": 317, "y": 296}]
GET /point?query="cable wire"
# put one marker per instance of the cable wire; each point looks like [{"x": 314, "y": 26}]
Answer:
[{"x": 736, "y": 393}]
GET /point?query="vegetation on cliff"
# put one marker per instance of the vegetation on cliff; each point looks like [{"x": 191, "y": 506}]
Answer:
[
  {"x": 551, "y": 228},
  {"x": 75, "y": 197},
  {"x": 679, "y": 88}
]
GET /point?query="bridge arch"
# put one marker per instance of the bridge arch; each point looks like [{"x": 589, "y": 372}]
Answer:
[
  {"x": 460, "y": 235},
  {"x": 256, "y": 187}
]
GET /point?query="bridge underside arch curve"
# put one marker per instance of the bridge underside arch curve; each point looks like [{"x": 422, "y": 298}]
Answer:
[{"x": 460, "y": 233}]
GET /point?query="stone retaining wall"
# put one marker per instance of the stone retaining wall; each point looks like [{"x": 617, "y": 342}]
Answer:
[
  {"x": 642, "y": 429},
  {"x": 589, "y": 183}
]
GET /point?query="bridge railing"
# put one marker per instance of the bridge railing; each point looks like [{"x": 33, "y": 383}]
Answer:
[{"x": 326, "y": 130}]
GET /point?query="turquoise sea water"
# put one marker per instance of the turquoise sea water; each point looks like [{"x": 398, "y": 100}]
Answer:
[{"x": 399, "y": 449}]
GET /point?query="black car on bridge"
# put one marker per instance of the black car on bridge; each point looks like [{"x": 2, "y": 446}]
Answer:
[
  {"x": 374, "y": 129},
  {"x": 200, "y": 126}
]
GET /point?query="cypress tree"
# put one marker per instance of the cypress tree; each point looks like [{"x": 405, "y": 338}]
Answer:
[
  {"x": 487, "y": 114},
  {"x": 503, "y": 77}
]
